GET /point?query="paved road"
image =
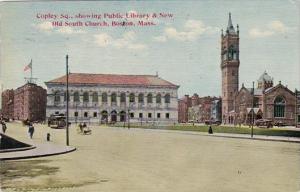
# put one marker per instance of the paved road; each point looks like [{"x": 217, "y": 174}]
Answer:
[{"x": 139, "y": 160}]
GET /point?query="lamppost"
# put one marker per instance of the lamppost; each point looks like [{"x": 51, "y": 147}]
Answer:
[
  {"x": 128, "y": 118},
  {"x": 252, "y": 109},
  {"x": 67, "y": 73}
]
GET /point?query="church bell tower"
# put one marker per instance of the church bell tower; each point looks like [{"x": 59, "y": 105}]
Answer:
[{"x": 230, "y": 69}]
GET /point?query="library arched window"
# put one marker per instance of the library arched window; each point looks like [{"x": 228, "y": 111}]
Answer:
[
  {"x": 56, "y": 96},
  {"x": 167, "y": 98},
  {"x": 149, "y": 98},
  {"x": 76, "y": 97},
  {"x": 95, "y": 97},
  {"x": 85, "y": 97},
  {"x": 131, "y": 98}
]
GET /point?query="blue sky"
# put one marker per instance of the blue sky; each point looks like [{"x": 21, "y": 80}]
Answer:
[{"x": 184, "y": 50}]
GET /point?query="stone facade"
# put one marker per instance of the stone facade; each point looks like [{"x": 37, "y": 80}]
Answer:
[
  {"x": 230, "y": 68},
  {"x": 276, "y": 103},
  {"x": 104, "y": 98}
]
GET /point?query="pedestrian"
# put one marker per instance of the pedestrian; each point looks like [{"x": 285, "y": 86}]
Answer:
[
  {"x": 31, "y": 130},
  {"x": 210, "y": 131},
  {"x": 3, "y": 126}
]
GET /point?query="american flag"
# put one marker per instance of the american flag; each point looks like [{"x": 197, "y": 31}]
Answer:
[{"x": 29, "y": 66}]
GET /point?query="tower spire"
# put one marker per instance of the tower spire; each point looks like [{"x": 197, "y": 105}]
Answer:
[{"x": 230, "y": 28}]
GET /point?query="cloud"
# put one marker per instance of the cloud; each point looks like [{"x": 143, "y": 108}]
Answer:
[
  {"x": 273, "y": 28},
  {"x": 69, "y": 31},
  {"x": 192, "y": 30},
  {"x": 128, "y": 40},
  {"x": 47, "y": 27}
]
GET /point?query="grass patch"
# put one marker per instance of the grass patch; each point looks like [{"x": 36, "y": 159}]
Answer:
[{"x": 218, "y": 129}]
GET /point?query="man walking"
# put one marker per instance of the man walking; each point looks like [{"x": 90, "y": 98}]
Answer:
[{"x": 31, "y": 130}]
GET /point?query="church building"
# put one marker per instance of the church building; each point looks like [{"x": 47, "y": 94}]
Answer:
[{"x": 276, "y": 103}]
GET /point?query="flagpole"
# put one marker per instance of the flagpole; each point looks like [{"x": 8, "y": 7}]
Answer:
[{"x": 31, "y": 72}]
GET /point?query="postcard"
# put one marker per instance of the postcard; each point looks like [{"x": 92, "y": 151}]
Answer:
[{"x": 145, "y": 96}]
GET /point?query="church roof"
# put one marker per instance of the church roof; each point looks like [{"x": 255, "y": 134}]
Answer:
[
  {"x": 256, "y": 91},
  {"x": 265, "y": 77},
  {"x": 114, "y": 79},
  {"x": 230, "y": 27}
]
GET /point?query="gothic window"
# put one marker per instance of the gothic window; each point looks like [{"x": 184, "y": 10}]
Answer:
[
  {"x": 56, "y": 96},
  {"x": 76, "y": 97},
  {"x": 104, "y": 97},
  {"x": 149, "y": 98},
  {"x": 279, "y": 107},
  {"x": 141, "y": 98},
  {"x": 131, "y": 98},
  {"x": 232, "y": 53},
  {"x": 123, "y": 97},
  {"x": 85, "y": 97},
  {"x": 95, "y": 97},
  {"x": 167, "y": 98},
  {"x": 158, "y": 98},
  {"x": 256, "y": 102},
  {"x": 113, "y": 97}
]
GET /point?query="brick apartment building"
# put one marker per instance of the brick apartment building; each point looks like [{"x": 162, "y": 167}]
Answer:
[
  {"x": 198, "y": 109},
  {"x": 7, "y": 103},
  {"x": 29, "y": 102}
]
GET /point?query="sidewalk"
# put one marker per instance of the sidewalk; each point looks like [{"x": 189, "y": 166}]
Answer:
[
  {"x": 40, "y": 147},
  {"x": 40, "y": 150},
  {"x": 229, "y": 135}
]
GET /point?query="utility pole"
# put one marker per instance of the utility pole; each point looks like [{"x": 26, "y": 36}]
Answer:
[
  {"x": 67, "y": 73},
  {"x": 252, "y": 109}
]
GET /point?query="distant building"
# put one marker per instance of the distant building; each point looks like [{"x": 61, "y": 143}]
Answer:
[
  {"x": 183, "y": 107},
  {"x": 26, "y": 102},
  {"x": 216, "y": 110},
  {"x": 114, "y": 98},
  {"x": 198, "y": 109},
  {"x": 7, "y": 103}
]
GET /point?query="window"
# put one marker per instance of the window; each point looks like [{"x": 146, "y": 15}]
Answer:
[
  {"x": 76, "y": 114},
  {"x": 141, "y": 98},
  {"x": 104, "y": 97},
  {"x": 113, "y": 97},
  {"x": 149, "y": 115},
  {"x": 95, "y": 114},
  {"x": 149, "y": 98},
  {"x": 56, "y": 97},
  {"x": 85, "y": 97},
  {"x": 167, "y": 115},
  {"x": 167, "y": 98},
  {"x": 158, "y": 98},
  {"x": 233, "y": 73},
  {"x": 256, "y": 102},
  {"x": 76, "y": 97},
  {"x": 95, "y": 97},
  {"x": 131, "y": 98},
  {"x": 158, "y": 115},
  {"x": 65, "y": 96},
  {"x": 85, "y": 114},
  {"x": 123, "y": 98},
  {"x": 279, "y": 107},
  {"x": 131, "y": 115},
  {"x": 140, "y": 115}
]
